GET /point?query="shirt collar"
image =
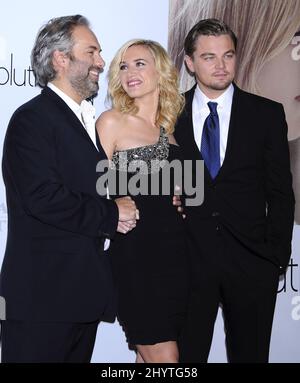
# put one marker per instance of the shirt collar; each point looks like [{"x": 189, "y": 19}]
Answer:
[
  {"x": 224, "y": 100},
  {"x": 67, "y": 99}
]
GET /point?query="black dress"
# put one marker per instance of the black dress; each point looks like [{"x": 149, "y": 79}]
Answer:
[{"x": 150, "y": 262}]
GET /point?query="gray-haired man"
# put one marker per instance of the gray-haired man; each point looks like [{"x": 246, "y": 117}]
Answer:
[{"x": 56, "y": 278}]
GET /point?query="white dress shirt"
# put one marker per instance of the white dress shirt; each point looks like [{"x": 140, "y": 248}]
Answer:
[{"x": 201, "y": 110}]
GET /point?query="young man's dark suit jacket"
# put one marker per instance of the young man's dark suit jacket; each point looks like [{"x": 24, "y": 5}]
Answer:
[
  {"x": 54, "y": 268},
  {"x": 251, "y": 200}
]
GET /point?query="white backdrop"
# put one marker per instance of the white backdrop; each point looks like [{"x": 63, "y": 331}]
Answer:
[{"x": 114, "y": 22}]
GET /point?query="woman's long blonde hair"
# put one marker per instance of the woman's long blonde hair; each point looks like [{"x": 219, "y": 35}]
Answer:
[
  {"x": 170, "y": 100},
  {"x": 263, "y": 28}
]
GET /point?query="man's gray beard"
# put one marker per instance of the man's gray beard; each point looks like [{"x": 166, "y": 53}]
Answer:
[{"x": 85, "y": 87}]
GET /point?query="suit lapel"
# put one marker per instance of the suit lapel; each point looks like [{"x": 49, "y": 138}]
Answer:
[
  {"x": 185, "y": 133},
  {"x": 235, "y": 111},
  {"x": 69, "y": 114},
  {"x": 187, "y": 128}
]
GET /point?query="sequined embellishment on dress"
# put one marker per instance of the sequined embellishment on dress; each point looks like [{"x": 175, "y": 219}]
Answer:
[{"x": 143, "y": 159}]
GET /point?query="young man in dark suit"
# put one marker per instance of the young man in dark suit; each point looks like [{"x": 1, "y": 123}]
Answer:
[
  {"x": 56, "y": 276},
  {"x": 240, "y": 237}
]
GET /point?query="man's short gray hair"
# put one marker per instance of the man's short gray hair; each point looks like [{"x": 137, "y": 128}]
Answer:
[{"x": 55, "y": 35}]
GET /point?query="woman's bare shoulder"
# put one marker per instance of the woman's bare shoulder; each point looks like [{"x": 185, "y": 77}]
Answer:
[{"x": 109, "y": 118}]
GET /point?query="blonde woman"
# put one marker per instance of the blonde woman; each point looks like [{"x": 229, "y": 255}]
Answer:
[
  {"x": 267, "y": 54},
  {"x": 150, "y": 262}
]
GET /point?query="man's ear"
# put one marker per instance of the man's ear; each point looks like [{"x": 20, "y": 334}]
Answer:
[
  {"x": 59, "y": 59},
  {"x": 189, "y": 64}
]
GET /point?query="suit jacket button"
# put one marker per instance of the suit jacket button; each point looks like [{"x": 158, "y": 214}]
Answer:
[{"x": 215, "y": 214}]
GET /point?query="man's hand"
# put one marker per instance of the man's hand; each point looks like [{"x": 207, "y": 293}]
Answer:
[
  {"x": 128, "y": 214},
  {"x": 127, "y": 208},
  {"x": 125, "y": 226}
]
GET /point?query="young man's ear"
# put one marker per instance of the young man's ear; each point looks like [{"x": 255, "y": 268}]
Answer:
[{"x": 189, "y": 64}]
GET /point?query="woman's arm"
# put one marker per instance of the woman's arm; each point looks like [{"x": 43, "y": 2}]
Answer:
[{"x": 106, "y": 126}]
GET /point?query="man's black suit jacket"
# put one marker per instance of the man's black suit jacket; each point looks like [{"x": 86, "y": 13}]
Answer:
[
  {"x": 252, "y": 195},
  {"x": 54, "y": 267}
]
